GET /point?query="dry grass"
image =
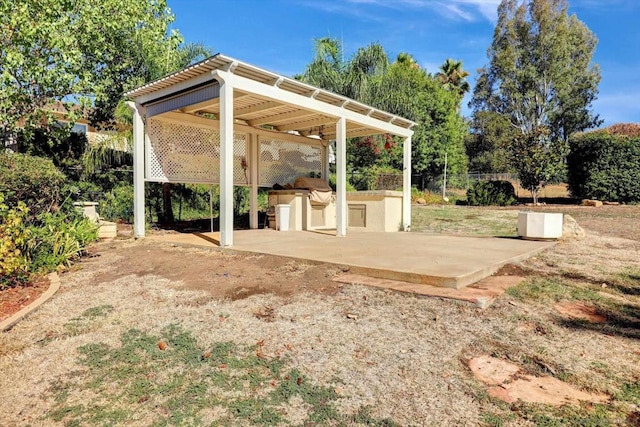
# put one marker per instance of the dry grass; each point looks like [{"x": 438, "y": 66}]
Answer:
[
  {"x": 367, "y": 354},
  {"x": 464, "y": 220}
]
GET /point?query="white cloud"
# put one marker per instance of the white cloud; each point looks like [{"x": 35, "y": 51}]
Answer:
[{"x": 467, "y": 10}]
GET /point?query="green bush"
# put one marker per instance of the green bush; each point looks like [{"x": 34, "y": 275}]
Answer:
[
  {"x": 57, "y": 239},
  {"x": 14, "y": 235},
  {"x": 491, "y": 193},
  {"x": 377, "y": 178},
  {"x": 117, "y": 204},
  {"x": 332, "y": 183},
  {"x": 32, "y": 180},
  {"x": 604, "y": 167}
]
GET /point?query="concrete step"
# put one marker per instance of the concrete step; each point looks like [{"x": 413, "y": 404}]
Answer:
[{"x": 107, "y": 230}]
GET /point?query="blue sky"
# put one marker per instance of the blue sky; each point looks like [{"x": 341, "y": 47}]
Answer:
[{"x": 278, "y": 35}]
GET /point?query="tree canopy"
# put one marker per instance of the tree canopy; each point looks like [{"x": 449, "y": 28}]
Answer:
[
  {"x": 401, "y": 88},
  {"x": 540, "y": 71},
  {"x": 54, "y": 50}
]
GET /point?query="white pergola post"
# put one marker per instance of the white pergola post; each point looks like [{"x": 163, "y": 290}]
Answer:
[
  {"x": 138, "y": 171},
  {"x": 226, "y": 157},
  {"x": 326, "y": 161},
  {"x": 253, "y": 155},
  {"x": 341, "y": 177},
  {"x": 406, "y": 184}
]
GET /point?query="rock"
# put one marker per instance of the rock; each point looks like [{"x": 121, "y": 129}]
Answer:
[
  {"x": 507, "y": 383},
  {"x": 571, "y": 229},
  {"x": 545, "y": 390},
  {"x": 593, "y": 203},
  {"x": 491, "y": 370},
  {"x": 421, "y": 201},
  {"x": 580, "y": 310}
]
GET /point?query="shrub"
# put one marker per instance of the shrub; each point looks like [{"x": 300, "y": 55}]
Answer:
[
  {"x": 604, "y": 166},
  {"x": 117, "y": 204},
  {"x": 491, "y": 193},
  {"x": 57, "y": 239},
  {"x": 14, "y": 235},
  {"x": 32, "y": 180},
  {"x": 332, "y": 183}
]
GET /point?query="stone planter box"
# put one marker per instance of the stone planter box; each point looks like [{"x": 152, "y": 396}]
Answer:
[
  {"x": 539, "y": 225},
  {"x": 88, "y": 209}
]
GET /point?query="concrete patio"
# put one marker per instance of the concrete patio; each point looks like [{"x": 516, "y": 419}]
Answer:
[{"x": 436, "y": 260}]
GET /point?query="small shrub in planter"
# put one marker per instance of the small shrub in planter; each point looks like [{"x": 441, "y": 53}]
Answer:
[{"x": 491, "y": 193}]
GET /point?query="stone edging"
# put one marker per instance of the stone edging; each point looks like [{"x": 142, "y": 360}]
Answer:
[{"x": 54, "y": 285}]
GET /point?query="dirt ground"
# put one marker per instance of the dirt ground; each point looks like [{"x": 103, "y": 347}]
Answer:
[
  {"x": 220, "y": 275},
  {"x": 15, "y": 299},
  {"x": 401, "y": 357}
]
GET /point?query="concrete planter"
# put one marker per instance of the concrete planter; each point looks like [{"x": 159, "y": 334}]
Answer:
[
  {"x": 539, "y": 225},
  {"x": 88, "y": 209}
]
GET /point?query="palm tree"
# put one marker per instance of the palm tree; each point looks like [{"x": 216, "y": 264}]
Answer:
[
  {"x": 362, "y": 69},
  {"x": 408, "y": 60},
  {"x": 452, "y": 76},
  {"x": 326, "y": 68},
  {"x": 352, "y": 78}
]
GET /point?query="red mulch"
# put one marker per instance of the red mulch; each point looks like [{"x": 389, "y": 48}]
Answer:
[{"x": 15, "y": 299}]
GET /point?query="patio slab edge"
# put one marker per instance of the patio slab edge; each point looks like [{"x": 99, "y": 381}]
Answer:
[
  {"x": 453, "y": 281},
  {"x": 54, "y": 285},
  {"x": 482, "y": 294}
]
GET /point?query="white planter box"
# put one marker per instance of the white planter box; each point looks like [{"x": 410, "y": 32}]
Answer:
[{"x": 539, "y": 225}]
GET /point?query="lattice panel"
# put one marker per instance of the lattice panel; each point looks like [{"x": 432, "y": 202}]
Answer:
[
  {"x": 282, "y": 162},
  {"x": 188, "y": 153}
]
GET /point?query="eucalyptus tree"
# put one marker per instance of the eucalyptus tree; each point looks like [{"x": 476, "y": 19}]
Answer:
[{"x": 540, "y": 76}]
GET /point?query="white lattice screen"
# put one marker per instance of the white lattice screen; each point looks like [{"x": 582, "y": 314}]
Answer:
[
  {"x": 190, "y": 153},
  {"x": 282, "y": 162}
]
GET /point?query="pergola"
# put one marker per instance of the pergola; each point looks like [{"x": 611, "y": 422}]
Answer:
[{"x": 227, "y": 122}]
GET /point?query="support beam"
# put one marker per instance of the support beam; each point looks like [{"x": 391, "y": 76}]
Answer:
[
  {"x": 253, "y": 155},
  {"x": 276, "y": 118},
  {"x": 341, "y": 177},
  {"x": 355, "y": 133},
  {"x": 263, "y": 106},
  {"x": 138, "y": 171},
  {"x": 226, "y": 156},
  {"x": 320, "y": 121},
  {"x": 326, "y": 165},
  {"x": 406, "y": 184}
]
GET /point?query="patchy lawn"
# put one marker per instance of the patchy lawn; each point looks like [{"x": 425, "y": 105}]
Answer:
[
  {"x": 149, "y": 334},
  {"x": 465, "y": 220}
]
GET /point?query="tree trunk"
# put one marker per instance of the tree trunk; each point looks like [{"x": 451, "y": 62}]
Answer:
[
  {"x": 167, "y": 208},
  {"x": 534, "y": 196}
]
